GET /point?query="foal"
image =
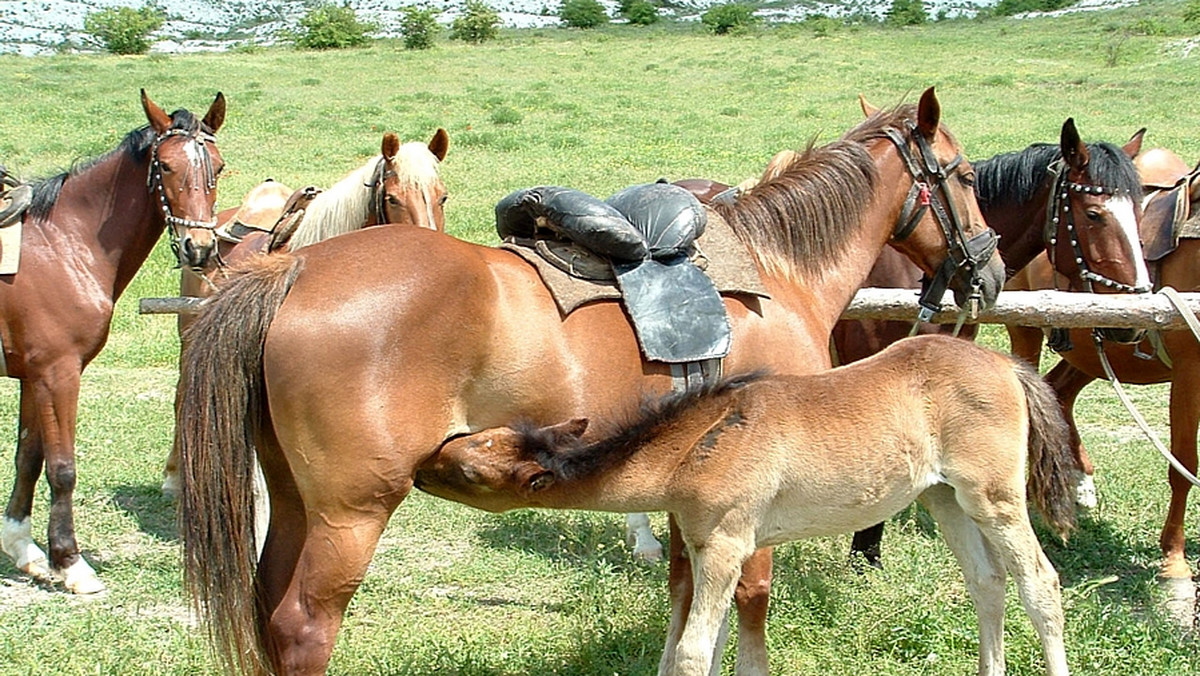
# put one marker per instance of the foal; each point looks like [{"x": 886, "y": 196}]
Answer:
[{"x": 758, "y": 461}]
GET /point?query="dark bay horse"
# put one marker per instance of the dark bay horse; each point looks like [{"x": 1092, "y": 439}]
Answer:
[
  {"x": 86, "y": 233},
  {"x": 402, "y": 185},
  {"x": 1178, "y": 267},
  {"x": 833, "y": 452},
  {"x": 342, "y": 370},
  {"x": 1079, "y": 200}
]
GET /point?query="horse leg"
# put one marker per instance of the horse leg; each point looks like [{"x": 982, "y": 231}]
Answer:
[
  {"x": 982, "y": 570},
  {"x": 867, "y": 543},
  {"x": 641, "y": 539},
  {"x": 1026, "y": 342},
  {"x": 17, "y": 536},
  {"x": 190, "y": 284},
  {"x": 751, "y": 596},
  {"x": 1068, "y": 382},
  {"x": 1185, "y": 415},
  {"x": 715, "y": 571}
]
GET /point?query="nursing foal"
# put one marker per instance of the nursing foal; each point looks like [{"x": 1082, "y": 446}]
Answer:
[{"x": 761, "y": 460}]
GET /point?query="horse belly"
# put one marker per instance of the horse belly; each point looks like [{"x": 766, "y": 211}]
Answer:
[{"x": 832, "y": 510}]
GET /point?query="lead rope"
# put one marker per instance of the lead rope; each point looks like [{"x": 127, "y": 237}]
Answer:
[{"x": 1193, "y": 324}]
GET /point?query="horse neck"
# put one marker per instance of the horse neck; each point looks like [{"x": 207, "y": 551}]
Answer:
[
  {"x": 119, "y": 226},
  {"x": 1020, "y": 227},
  {"x": 343, "y": 208}
]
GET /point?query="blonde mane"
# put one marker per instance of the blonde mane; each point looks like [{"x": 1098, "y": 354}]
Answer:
[{"x": 345, "y": 205}]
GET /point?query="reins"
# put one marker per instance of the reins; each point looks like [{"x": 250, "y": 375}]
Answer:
[
  {"x": 379, "y": 176},
  {"x": 154, "y": 181},
  {"x": 1173, "y": 296},
  {"x": 966, "y": 255}
]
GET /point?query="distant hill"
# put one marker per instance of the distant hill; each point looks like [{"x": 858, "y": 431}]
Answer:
[{"x": 31, "y": 27}]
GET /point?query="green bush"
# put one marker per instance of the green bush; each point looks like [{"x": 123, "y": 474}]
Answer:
[
  {"x": 332, "y": 27},
  {"x": 638, "y": 12},
  {"x": 478, "y": 23},
  {"x": 1010, "y": 7},
  {"x": 124, "y": 30},
  {"x": 1191, "y": 13},
  {"x": 583, "y": 13},
  {"x": 906, "y": 13},
  {"x": 735, "y": 16},
  {"x": 419, "y": 25}
]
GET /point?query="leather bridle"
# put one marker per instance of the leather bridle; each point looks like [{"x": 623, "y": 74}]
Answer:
[
  {"x": 383, "y": 171},
  {"x": 154, "y": 181},
  {"x": 929, "y": 192}
]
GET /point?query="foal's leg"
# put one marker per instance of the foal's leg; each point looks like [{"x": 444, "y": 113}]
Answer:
[
  {"x": 715, "y": 569},
  {"x": 982, "y": 569}
]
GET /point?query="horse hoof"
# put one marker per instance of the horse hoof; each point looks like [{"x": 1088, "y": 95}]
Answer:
[
  {"x": 170, "y": 486},
  {"x": 1179, "y": 601},
  {"x": 1085, "y": 492},
  {"x": 79, "y": 578}
]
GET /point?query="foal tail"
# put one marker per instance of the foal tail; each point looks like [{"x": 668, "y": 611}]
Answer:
[
  {"x": 220, "y": 416},
  {"x": 1051, "y": 463}
]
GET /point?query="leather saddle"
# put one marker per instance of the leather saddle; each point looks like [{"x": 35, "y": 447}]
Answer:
[
  {"x": 1168, "y": 211},
  {"x": 15, "y": 198},
  {"x": 642, "y": 237}
]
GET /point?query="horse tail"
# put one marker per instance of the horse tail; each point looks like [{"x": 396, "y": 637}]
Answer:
[
  {"x": 221, "y": 411},
  {"x": 1051, "y": 462}
]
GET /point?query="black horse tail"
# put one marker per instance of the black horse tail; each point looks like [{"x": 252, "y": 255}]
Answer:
[
  {"x": 1052, "y": 466},
  {"x": 220, "y": 415}
]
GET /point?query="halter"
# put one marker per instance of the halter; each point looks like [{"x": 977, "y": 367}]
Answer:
[
  {"x": 1059, "y": 211},
  {"x": 154, "y": 181},
  {"x": 379, "y": 175},
  {"x": 966, "y": 255}
]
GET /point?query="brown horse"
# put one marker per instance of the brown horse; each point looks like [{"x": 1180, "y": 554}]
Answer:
[
  {"x": 932, "y": 418},
  {"x": 1079, "y": 200},
  {"x": 86, "y": 233},
  {"x": 400, "y": 186},
  {"x": 343, "y": 370},
  {"x": 1141, "y": 364}
]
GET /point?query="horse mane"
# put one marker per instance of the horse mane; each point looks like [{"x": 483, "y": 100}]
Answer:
[
  {"x": 343, "y": 207},
  {"x": 1014, "y": 178},
  {"x": 136, "y": 145},
  {"x": 625, "y": 438},
  {"x": 795, "y": 219}
]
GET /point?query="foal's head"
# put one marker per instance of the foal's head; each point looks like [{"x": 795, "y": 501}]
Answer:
[{"x": 496, "y": 469}]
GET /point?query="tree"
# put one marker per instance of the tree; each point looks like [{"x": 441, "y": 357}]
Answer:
[
  {"x": 419, "y": 25},
  {"x": 477, "y": 23},
  {"x": 583, "y": 13},
  {"x": 124, "y": 30},
  {"x": 906, "y": 13},
  {"x": 638, "y": 12},
  {"x": 722, "y": 19},
  {"x": 333, "y": 27}
]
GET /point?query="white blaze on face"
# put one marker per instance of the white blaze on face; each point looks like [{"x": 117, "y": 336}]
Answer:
[
  {"x": 191, "y": 148},
  {"x": 1121, "y": 208}
]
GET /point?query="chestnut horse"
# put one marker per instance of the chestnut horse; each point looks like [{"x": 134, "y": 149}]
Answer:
[
  {"x": 342, "y": 370},
  {"x": 400, "y": 186},
  {"x": 930, "y": 418},
  {"x": 1080, "y": 200},
  {"x": 1140, "y": 364},
  {"x": 86, "y": 233}
]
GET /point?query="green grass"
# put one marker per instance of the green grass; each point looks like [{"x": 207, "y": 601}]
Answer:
[{"x": 455, "y": 591}]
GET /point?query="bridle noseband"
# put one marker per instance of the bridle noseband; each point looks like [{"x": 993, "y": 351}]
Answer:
[
  {"x": 1059, "y": 211},
  {"x": 154, "y": 181},
  {"x": 967, "y": 256}
]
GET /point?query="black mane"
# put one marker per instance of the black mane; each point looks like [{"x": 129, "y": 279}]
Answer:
[
  {"x": 1014, "y": 178},
  {"x": 136, "y": 145}
]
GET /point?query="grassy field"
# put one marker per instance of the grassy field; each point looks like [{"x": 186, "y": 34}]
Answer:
[{"x": 455, "y": 591}]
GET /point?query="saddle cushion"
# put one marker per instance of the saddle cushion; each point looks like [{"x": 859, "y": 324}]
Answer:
[
  {"x": 669, "y": 217},
  {"x": 570, "y": 214}
]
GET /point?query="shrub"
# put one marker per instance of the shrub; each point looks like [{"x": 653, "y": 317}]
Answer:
[
  {"x": 906, "y": 13},
  {"x": 1010, "y": 7},
  {"x": 583, "y": 13},
  {"x": 124, "y": 30},
  {"x": 332, "y": 27},
  {"x": 638, "y": 12},
  {"x": 1191, "y": 13},
  {"x": 477, "y": 23},
  {"x": 419, "y": 26},
  {"x": 722, "y": 19}
]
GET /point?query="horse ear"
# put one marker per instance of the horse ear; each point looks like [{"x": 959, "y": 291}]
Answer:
[
  {"x": 215, "y": 117},
  {"x": 1134, "y": 145},
  {"x": 159, "y": 120},
  {"x": 1074, "y": 150},
  {"x": 439, "y": 144},
  {"x": 390, "y": 146},
  {"x": 568, "y": 432},
  {"x": 867, "y": 108},
  {"x": 929, "y": 114}
]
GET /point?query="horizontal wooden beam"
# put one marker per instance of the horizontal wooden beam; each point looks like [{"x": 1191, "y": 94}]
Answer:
[{"x": 1022, "y": 308}]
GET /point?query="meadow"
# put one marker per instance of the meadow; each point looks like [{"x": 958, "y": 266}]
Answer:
[{"x": 456, "y": 591}]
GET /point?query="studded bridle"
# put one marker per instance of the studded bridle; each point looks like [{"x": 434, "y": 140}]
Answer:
[
  {"x": 929, "y": 192},
  {"x": 154, "y": 181},
  {"x": 378, "y": 205},
  {"x": 1058, "y": 212}
]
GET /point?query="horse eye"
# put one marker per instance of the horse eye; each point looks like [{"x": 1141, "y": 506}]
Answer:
[
  {"x": 392, "y": 200},
  {"x": 967, "y": 179},
  {"x": 443, "y": 198},
  {"x": 1095, "y": 216}
]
